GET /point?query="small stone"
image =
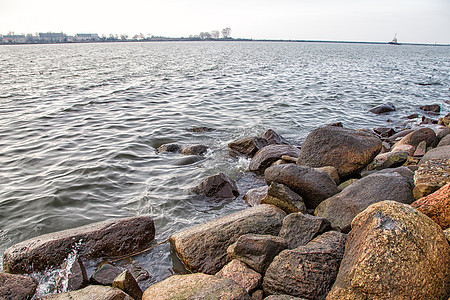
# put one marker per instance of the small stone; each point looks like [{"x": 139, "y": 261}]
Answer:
[
  {"x": 435, "y": 108},
  {"x": 412, "y": 116},
  {"x": 16, "y": 286},
  {"x": 414, "y": 138},
  {"x": 384, "y": 131},
  {"x": 431, "y": 176},
  {"x": 217, "y": 186},
  {"x": 201, "y": 129},
  {"x": 105, "y": 274},
  {"x": 172, "y": 148},
  {"x": 421, "y": 149},
  {"x": 289, "y": 159},
  {"x": 241, "y": 274},
  {"x": 426, "y": 120},
  {"x": 254, "y": 196},
  {"x": 284, "y": 198},
  {"x": 127, "y": 283},
  {"x": 258, "y": 295},
  {"x": 445, "y": 141},
  {"x": 404, "y": 148},
  {"x": 347, "y": 183}
]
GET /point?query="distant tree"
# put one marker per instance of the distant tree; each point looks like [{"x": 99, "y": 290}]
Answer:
[
  {"x": 226, "y": 33},
  {"x": 205, "y": 35},
  {"x": 123, "y": 36},
  {"x": 215, "y": 34}
]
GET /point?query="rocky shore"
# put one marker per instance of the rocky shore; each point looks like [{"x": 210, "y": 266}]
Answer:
[{"x": 349, "y": 214}]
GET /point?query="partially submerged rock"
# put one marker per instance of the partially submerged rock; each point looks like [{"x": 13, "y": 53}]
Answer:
[
  {"x": 90, "y": 292},
  {"x": 74, "y": 276},
  {"x": 383, "y": 108},
  {"x": 274, "y": 138},
  {"x": 196, "y": 286},
  {"x": 434, "y": 108},
  {"x": 203, "y": 248},
  {"x": 269, "y": 154},
  {"x": 312, "y": 185},
  {"x": 193, "y": 149},
  {"x": 241, "y": 274},
  {"x": 108, "y": 238},
  {"x": 284, "y": 198},
  {"x": 349, "y": 151},
  {"x": 16, "y": 286},
  {"x": 217, "y": 186},
  {"x": 393, "y": 252},
  {"x": 247, "y": 146},
  {"x": 308, "y": 271},
  {"x": 105, "y": 273}
]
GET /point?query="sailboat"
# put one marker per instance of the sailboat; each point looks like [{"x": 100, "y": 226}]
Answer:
[{"x": 394, "y": 40}]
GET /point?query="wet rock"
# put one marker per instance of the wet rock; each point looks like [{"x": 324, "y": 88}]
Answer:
[
  {"x": 343, "y": 207},
  {"x": 332, "y": 172},
  {"x": 127, "y": 283},
  {"x": 426, "y": 120},
  {"x": 436, "y": 153},
  {"x": 445, "y": 141},
  {"x": 16, "y": 286},
  {"x": 172, "y": 148},
  {"x": 434, "y": 108},
  {"x": 393, "y": 252},
  {"x": 388, "y": 160},
  {"x": 347, "y": 183},
  {"x": 349, "y": 151},
  {"x": 299, "y": 229},
  {"x": 312, "y": 185},
  {"x": 104, "y": 274},
  {"x": 445, "y": 120},
  {"x": 247, "y": 146},
  {"x": 269, "y": 154},
  {"x": 90, "y": 292},
  {"x": 274, "y": 138},
  {"x": 383, "y": 108},
  {"x": 257, "y": 251},
  {"x": 195, "y": 286},
  {"x": 436, "y": 206},
  {"x": 384, "y": 131},
  {"x": 284, "y": 198},
  {"x": 193, "y": 149},
  {"x": 217, "y": 186},
  {"x": 308, "y": 271},
  {"x": 417, "y": 136},
  {"x": 241, "y": 274},
  {"x": 412, "y": 116},
  {"x": 113, "y": 237},
  {"x": 203, "y": 248},
  {"x": 431, "y": 176},
  {"x": 254, "y": 196},
  {"x": 75, "y": 276},
  {"x": 201, "y": 129}
]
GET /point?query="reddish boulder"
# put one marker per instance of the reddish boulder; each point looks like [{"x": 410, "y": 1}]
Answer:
[{"x": 436, "y": 206}]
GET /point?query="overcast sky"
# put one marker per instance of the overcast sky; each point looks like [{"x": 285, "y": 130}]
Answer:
[{"x": 418, "y": 21}]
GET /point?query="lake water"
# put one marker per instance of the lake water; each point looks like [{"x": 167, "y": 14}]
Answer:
[{"x": 79, "y": 123}]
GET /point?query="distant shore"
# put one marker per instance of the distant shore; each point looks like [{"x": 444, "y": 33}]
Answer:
[{"x": 168, "y": 39}]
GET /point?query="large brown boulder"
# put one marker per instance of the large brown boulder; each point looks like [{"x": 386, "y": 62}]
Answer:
[
  {"x": 308, "y": 271},
  {"x": 312, "y": 185},
  {"x": 343, "y": 207},
  {"x": 269, "y": 154},
  {"x": 16, "y": 287},
  {"x": 196, "y": 287},
  {"x": 414, "y": 138},
  {"x": 436, "y": 206},
  {"x": 217, "y": 186},
  {"x": 97, "y": 292},
  {"x": 349, "y": 151},
  {"x": 436, "y": 153},
  {"x": 203, "y": 248},
  {"x": 109, "y": 238},
  {"x": 393, "y": 252}
]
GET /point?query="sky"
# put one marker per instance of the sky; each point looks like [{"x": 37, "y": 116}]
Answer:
[{"x": 414, "y": 21}]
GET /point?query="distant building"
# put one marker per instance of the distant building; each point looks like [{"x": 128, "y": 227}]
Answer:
[
  {"x": 87, "y": 37},
  {"x": 52, "y": 37},
  {"x": 14, "y": 38}
]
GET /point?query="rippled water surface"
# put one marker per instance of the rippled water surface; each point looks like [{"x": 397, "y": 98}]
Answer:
[{"x": 79, "y": 123}]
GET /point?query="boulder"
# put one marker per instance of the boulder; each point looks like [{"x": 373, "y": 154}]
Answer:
[
  {"x": 247, "y": 146},
  {"x": 193, "y": 149},
  {"x": 172, "y": 148},
  {"x": 436, "y": 206},
  {"x": 196, "y": 286},
  {"x": 299, "y": 229},
  {"x": 388, "y": 160},
  {"x": 269, "y": 154},
  {"x": 415, "y": 137},
  {"x": 73, "y": 275},
  {"x": 431, "y": 176},
  {"x": 241, "y": 274},
  {"x": 343, "y": 207},
  {"x": 433, "y": 108},
  {"x": 16, "y": 286},
  {"x": 383, "y": 108},
  {"x": 398, "y": 136},
  {"x": 256, "y": 250},
  {"x": 254, "y": 196},
  {"x": 98, "y": 292},
  {"x": 404, "y": 148},
  {"x": 201, "y": 129},
  {"x": 274, "y": 138},
  {"x": 217, "y": 186},
  {"x": 421, "y": 149},
  {"x": 445, "y": 141},
  {"x": 203, "y": 248},
  {"x": 127, "y": 283},
  {"x": 312, "y": 185},
  {"x": 308, "y": 271},
  {"x": 284, "y": 198},
  {"x": 349, "y": 151},
  {"x": 393, "y": 252},
  {"x": 104, "y": 274},
  {"x": 109, "y": 238},
  {"x": 406, "y": 172},
  {"x": 436, "y": 153}
]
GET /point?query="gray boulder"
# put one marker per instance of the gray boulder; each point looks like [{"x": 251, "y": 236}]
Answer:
[
  {"x": 349, "y": 151},
  {"x": 16, "y": 286},
  {"x": 436, "y": 153},
  {"x": 445, "y": 141},
  {"x": 394, "y": 252},
  {"x": 284, "y": 198},
  {"x": 109, "y": 238},
  {"x": 256, "y": 250},
  {"x": 299, "y": 229},
  {"x": 269, "y": 154},
  {"x": 217, "y": 186},
  {"x": 308, "y": 271},
  {"x": 343, "y": 207},
  {"x": 312, "y": 185},
  {"x": 203, "y": 248}
]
